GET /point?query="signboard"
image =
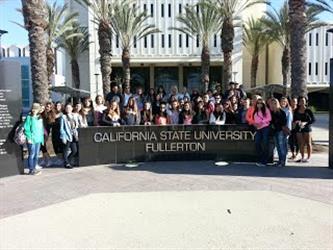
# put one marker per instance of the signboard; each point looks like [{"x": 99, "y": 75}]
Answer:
[
  {"x": 10, "y": 111},
  {"x": 102, "y": 145}
]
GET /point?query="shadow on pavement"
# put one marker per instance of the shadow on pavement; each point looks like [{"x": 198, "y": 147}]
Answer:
[{"x": 209, "y": 168}]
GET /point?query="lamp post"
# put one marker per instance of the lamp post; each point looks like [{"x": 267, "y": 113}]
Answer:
[
  {"x": 330, "y": 142},
  {"x": 2, "y": 32}
]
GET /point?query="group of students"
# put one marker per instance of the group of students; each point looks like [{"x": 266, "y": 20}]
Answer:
[{"x": 122, "y": 107}]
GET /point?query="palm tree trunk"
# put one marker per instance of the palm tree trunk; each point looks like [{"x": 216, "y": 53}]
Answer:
[
  {"x": 205, "y": 64},
  {"x": 34, "y": 20},
  {"x": 298, "y": 47},
  {"x": 50, "y": 60},
  {"x": 285, "y": 61},
  {"x": 75, "y": 74},
  {"x": 254, "y": 70},
  {"x": 104, "y": 39},
  {"x": 227, "y": 38},
  {"x": 126, "y": 66}
]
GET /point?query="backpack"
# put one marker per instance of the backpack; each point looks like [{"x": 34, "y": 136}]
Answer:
[{"x": 19, "y": 136}]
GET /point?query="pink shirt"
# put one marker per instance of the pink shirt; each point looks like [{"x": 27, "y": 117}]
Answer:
[{"x": 262, "y": 121}]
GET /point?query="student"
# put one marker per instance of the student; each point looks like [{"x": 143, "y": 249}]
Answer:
[
  {"x": 186, "y": 115},
  {"x": 88, "y": 109},
  {"x": 280, "y": 130},
  {"x": 162, "y": 118},
  {"x": 131, "y": 113},
  {"x": 303, "y": 119},
  {"x": 201, "y": 114},
  {"x": 249, "y": 113},
  {"x": 114, "y": 95},
  {"x": 262, "y": 118},
  {"x": 294, "y": 147},
  {"x": 230, "y": 114},
  {"x": 218, "y": 117},
  {"x": 111, "y": 116},
  {"x": 48, "y": 117},
  {"x": 139, "y": 98},
  {"x": 245, "y": 105},
  {"x": 126, "y": 96},
  {"x": 34, "y": 132},
  {"x": 56, "y": 141},
  {"x": 147, "y": 117},
  {"x": 80, "y": 114},
  {"x": 69, "y": 135},
  {"x": 173, "y": 113},
  {"x": 98, "y": 110}
]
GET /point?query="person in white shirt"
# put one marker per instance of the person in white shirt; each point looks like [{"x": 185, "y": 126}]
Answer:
[{"x": 217, "y": 117}]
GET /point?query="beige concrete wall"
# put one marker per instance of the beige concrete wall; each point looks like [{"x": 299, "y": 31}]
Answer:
[{"x": 274, "y": 64}]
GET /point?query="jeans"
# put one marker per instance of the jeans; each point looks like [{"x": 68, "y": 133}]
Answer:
[
  {"x": 281, "y": 143},
  {"x": 262, "y": 143},
  {"x": 33, "y": 150},
  {"x": 70, "y": 151}
]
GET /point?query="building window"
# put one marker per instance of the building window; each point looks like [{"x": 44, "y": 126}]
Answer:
[
  {"x": 169, "y": 40},
  {"x": 162, "y": 10},
  {"x": 316, "y": 69},
  {"x": 310, "y": 39},
  {"x": 187, "y": 40},
  {"x": 197, "y": 6},
  {"x": 117, "y": 41},
  {"x": 24, "y": 52},
  {"x": 20, "y": 54},
  {"x": 180, "y": 8},
  {"x": 152, "y": 10},
  {"x": 180, "y": 40},
  {"x": 198, "y": 43},
  {"x": 145, "y": 42},
  {"x": 152, "y": 40},
  {"x": 326, "y": 42},
  {"x": 162, "y": 40},
  {"x": 215, "y": 40},
  {"x": 310, "y": 69},
  {"x": 134, "y": 8},
  {"x": 169, "y": 10},
  {"x": 134, "y": 41},
  {"x": 317, "y": 39},
  {"x": 326, "y": 69},
  {"x": 145, "y": 7}
]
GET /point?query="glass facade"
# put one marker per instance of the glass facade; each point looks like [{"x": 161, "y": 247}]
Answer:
[
  {"x": 192, "y": 77},
  {"x": 139, "y": 77},
  {"x": 167, "y": 77}
]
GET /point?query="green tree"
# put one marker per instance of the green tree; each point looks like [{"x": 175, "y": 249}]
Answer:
[
  {"x": 35, "y": 23},
  {"x": 130, "y": 25},
  {"x": 75, "y": 42},
  {"x": 203, "y": 25},
  {"x": 255, "y": 39}
]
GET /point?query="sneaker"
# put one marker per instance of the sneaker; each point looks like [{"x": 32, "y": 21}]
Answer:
[
  {"x": 260, "y": 164},
  {"x": 38, "y": 167},
  {"x": 68, "y": 166},
  {"x": 35, "y": 172},
  {"x": 305, "y": 160}
]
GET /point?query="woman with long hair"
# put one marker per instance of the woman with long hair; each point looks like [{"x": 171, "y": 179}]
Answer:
[
  {"x": 173, "y": 113},
  {"x": 131, "y": 112},
  {"x": 303, "y": 119},
  {"x": 294, "y": 147},
  {"x": 281, "y": 131},
  {"x": 186, "y": 115},
  {"x": 56, "y": 141},
  {"x": 88, "y": 109},
  {"x": 201, "y": 114},
  {"x": 34, "y": 132},
  {"x": 111, "y": 116},
  {"x": 162, "y": 118},
  {"x": 262, "y": 118},
  {"x": 98, "y": 110},
  {"x": 230, "y": 114},
  {"x": 147, "y": 117},
  {"x": 80, "y": 115},
  {"x": 218, "y": 117}
]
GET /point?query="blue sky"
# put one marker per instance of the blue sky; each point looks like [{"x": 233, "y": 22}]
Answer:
[{"x": 19, "y": 36}]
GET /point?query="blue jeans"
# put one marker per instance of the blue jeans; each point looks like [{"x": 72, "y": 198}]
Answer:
[
  {"x": 70, "y": 151},
  {"x": 281, "y": 143},
  {"x": 33, "y": 150},
  {"x": 262, "y": 143}
]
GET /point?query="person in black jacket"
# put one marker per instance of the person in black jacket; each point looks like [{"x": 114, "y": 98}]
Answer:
[
  {"x": 280, "y": 131},
  {"x": 303, "y": 118}
]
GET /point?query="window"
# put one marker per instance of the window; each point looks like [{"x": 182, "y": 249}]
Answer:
[
  {"x": 152, "y": 41},
  {"x": 117, "y": 41},
  {"x": 310, "y": 69},
  {"x": 316, "y": 69},
  {"x": 317, "y": 39},
  {"x": 145, "y": 7},
  {"x": 215, "y": 40},
  {"x": 134, "y": 41},
  {"x": 326, "y": 42},
  {"x": 169, "y": 10},
  {"x": 180, "y": 40},
  {"x": 134, "y": 8},
  {"x": 162, "y": 40},
  {"x": 197, "y": 6},
  {"x": 180, "y": 8},
  {"x": 152, "y": 10},
  {"x": 145, "y": 42},
  {"x": 198, "y": 41},
  {"x": 187, "y": 40},
  {"x": 326, "y": 69},
  {"x": 162, "y": 10},
  {"x": 310, "y": 39},
  {"x": 169, "y": 40}
]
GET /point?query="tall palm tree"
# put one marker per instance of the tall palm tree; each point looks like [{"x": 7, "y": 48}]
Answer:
[
  {"x": 204, "y": 25},
  {"x": 297, "y": 16},
  {"x": 101, "y": 10},
  {"x": 128, "y": 23},
  {"x": 60, "y": 21},
  {"x": 75, "y": 46},
  {"x": 255, "y": 39},
  {"x": 231, "y": 12},
  {"x": 35, "y": 22},
  {"x": 277, "y": 26}
]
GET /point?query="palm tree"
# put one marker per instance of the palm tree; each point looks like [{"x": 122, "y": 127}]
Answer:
[
  {"x": 204, "y": 25},
  {"x": 75, "y": 46},
  {"x": 277, "y": 26},
  {"x": 101, "y": 10},
  {"x": 60, "y": 21},
  {"x": 297, "y": 17},
  {"x": 255, "y": 40},
  {"x": 230, "y": 12},
  {"x": 34, "y": 21},
  {"x": 129, "y": 24}
]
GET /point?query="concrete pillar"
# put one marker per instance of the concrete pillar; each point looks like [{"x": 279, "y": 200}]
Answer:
[
  {"x": 330, "y": 143},
  {"x": 151, "y": 76}
]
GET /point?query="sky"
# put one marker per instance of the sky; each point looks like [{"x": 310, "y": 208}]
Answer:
[{"x": 17, "y": 35}]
